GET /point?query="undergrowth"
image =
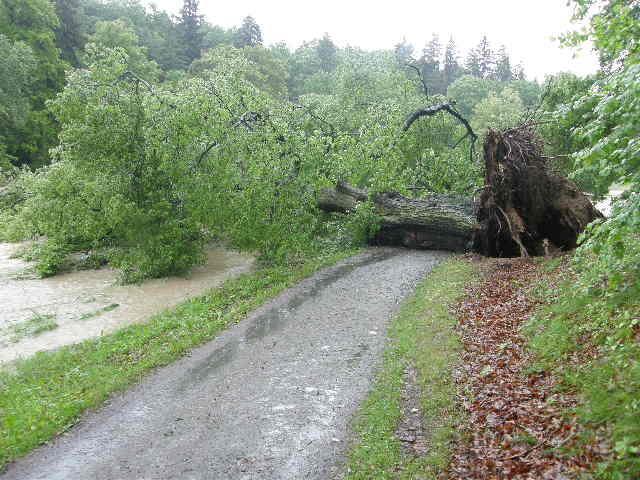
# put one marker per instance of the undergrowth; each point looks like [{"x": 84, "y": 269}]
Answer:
[{"x": 588, "y": 332}]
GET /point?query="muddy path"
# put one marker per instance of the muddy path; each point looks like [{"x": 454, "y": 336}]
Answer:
[
  {"x": 270, "y": 398},
  {"x": 90, "y": 303}
]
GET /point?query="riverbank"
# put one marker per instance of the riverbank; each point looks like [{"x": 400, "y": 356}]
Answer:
[
  {"x": 45, "y": 394},
  {"x": 41, "y": 314}
]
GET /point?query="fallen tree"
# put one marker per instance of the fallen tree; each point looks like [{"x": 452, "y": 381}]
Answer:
[
  {"x": 524, "y": 209},
  {"x": 439, "y": 222}
]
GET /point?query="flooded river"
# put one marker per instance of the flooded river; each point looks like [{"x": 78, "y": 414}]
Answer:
[{"x": 89, "y": 303}]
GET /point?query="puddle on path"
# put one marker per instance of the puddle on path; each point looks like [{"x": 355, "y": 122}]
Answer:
[{"x": 89, "y": 303}]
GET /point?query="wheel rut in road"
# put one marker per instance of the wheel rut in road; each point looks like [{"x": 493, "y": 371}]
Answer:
[{"x": 269, "y": 398}]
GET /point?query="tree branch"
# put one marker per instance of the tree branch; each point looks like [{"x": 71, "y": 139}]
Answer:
[
  {"x": 443, "y": 107},
  {"x": 422, "y": 80}
]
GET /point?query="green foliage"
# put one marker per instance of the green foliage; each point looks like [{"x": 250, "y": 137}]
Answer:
[
  {"x": 595, "y": 316},
  {"x": 497, "y": 111},
  {"x": 32, "y": 23},
  {"x": 190, "y": 28},
  {"x": 118, "y": 34},
  {"x": 564, "y": 112},
  {"x": 613, "y": 27},
  {"x": 249, "y": 34},
  {"x": 363, "y": 223},
  {"x": 262, "y": 69},
  {"x": 70, "y": 34},
  {"x": 17, "y": 66},
  {"x": 467, "y": 91}
]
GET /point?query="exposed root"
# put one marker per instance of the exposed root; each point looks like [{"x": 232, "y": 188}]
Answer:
[{"x": 535, "y": 203}]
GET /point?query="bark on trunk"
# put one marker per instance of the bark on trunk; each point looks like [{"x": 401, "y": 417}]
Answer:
[{"x": 439, "y": 222}]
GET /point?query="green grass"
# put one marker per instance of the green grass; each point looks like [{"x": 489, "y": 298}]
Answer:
[
  {"x": 421, "y": 335},
  {"x": 32, "y": 327},
  {"x": 588, "y": 334},
  {"x": 97, "y": 313},
  {"x": 46, "y": 394}
]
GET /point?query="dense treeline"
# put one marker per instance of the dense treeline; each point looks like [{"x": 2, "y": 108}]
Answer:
[{"x": 44, "y": 38}]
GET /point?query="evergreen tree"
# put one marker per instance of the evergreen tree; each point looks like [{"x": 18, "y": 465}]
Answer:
[
  {"x": 486, "y": 60},
  {"x": 503, "y": 71},
  {"x": 327, "y": 54},
  {"x": 472, "y": 63},
  {"x": 190, "y": 23},
  {"x": 432, "y": 52},
  {"x": 249, "y": 34},
  {"x": 70, "y": 36},
  {"x": 518, "y": 72},
  {"x": 451, "y": 69},
  {"x": 431, "y": 55}
]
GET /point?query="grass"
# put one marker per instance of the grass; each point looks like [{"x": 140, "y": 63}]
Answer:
[
  {"x": 32, "y": 327},
  {"x": 97, "y": 313},
  {"x": 421, "y": 335},
  {"x": 588, "y": 334},
  {"x": 45, "y": 395}
]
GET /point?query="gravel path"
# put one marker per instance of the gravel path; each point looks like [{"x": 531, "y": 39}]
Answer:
[{"x": 270, "y": 398}]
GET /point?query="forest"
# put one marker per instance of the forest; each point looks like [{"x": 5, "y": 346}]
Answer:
[
  {"x": 231, "y": 139},
  {"x": 140, "y": 137}
]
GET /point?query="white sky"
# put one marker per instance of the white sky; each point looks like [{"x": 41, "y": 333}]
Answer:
[{"x": 526, "y": 27}]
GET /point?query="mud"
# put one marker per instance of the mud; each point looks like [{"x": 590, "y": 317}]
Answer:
[
  {"x": 270, "y": 398},
  {"x": 89, "y": 303}
]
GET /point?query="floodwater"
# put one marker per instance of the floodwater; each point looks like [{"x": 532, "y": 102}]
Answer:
[{"x": 89, "y": 303}]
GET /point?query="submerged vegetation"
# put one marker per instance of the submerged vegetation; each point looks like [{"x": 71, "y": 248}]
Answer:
[{"x": 37, "y": 324}]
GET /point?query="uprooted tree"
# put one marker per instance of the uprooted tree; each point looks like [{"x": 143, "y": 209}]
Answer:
[{"x": 524, "y": 208}]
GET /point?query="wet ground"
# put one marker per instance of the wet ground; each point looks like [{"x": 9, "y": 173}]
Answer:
[
  {"x": 270, "y": 398},
  {"x": 89, "y": 303}
]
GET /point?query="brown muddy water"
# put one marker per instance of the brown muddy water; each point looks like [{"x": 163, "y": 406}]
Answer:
[{"x": 89, "y": 303}]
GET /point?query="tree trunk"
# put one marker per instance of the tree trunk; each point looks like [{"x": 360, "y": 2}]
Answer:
[
  {"x": 525, "y": 208},
  {"x": 438, "y": 222}
]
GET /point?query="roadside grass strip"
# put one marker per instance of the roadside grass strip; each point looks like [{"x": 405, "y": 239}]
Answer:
[
  {"x": 421, "y": 336},
  {"x": 44, "y": 395}
]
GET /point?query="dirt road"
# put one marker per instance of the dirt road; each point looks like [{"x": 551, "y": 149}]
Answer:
[{"x": 271, "y": 398}]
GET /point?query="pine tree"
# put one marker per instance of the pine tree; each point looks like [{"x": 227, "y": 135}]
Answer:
[
  {"x": 190, "y": 23},
  {"x": 503, "y": 71},
  {"x": 327, "y": 53},
  {"x": 486, "y": 60},
  {"x": 249, "y": 34},
  {"x": 518, "y": 72},
  {"x": 404, "y": 53},
  {"x": 451, "y": 69},
  {"x": 70, "y": 37},
  {"x": 431, "y": 55},
  {"x": 472, "y": 63}
]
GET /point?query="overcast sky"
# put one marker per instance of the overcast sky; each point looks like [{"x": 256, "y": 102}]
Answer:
[{"x": 526, "y": 27}]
